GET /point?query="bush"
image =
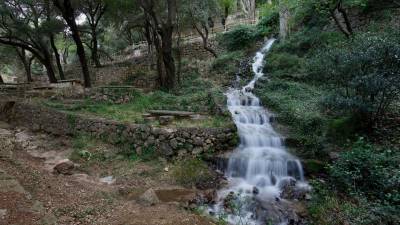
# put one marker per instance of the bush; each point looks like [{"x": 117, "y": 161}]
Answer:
[
  {"x": 268, "y": 24},
  {"x": 240, "y": 37},
  {"x": 191, "y": 172},
  {"x": 326, "y": 208},
  {"x": 364, "y": 74},
  {"x": 285, "y": 65},
  {"x": 370, "y": 172},
  {"x": 343, "y": 129},
  {"x": 297, "y": 106}
]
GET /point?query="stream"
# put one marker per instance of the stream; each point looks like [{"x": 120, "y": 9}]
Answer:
[{"x": 260, "y": 167}]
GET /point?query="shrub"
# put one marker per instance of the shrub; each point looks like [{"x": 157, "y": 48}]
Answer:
[
  {"x": 343, "y": 129},
  {"x": 268, "y": 24},
  {"x": 191, "y": 172},
  {"x": 284, "y": 65},
  {"x": 367, "y": 171},
  {"x": 240, "y": 37},
  {"x": 364, "y": 74},
  {"x": 326, "y": 208}
]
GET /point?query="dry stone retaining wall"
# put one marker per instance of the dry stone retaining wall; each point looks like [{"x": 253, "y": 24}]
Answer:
[{"x": 166, "y": 141}]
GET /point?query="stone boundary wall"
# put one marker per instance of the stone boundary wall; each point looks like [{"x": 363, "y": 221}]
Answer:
[{"x": 167, "y": 142}]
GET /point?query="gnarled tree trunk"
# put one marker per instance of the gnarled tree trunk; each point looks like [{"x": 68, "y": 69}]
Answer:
[
  {"x": 57, "y": 56},
  {"x": 26, "y": 62},
  {"x": 68, "y": 14}
]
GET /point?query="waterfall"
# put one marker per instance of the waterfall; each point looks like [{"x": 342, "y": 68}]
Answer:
[{"x": 260, "y": 165}]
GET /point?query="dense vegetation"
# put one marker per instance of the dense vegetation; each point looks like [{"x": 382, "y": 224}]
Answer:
[{"x": 333, "y": 81}]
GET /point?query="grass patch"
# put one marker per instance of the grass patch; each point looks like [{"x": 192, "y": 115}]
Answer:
[
  {"x": 191, "y": 172},
  {"x": 195, "y": 94},
  {"x": 87, "y": 150}
]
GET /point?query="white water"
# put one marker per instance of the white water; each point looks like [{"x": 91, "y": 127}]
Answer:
[{"x": 260, "y": 162}]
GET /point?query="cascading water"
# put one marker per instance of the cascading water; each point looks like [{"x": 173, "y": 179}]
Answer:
[{"x": 260, "y": 165}]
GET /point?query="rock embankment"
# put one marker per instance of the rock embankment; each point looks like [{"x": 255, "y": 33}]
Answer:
[{"x": 166, "y": 141}]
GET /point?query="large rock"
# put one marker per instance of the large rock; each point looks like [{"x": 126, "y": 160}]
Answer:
[
  {"x": 292, "y": 190},
  {"x": 148, "y": 198},
  {"x": 64, "y": 167}
]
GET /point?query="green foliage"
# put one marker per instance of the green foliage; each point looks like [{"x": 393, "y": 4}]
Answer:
[
  {"x": 269, "y": 22},
  {"x": 370, "y": 177},
  {"x": 227, "y": 63},
  {"x": 343, "y": 129},
  {"x": 368, "y": 171},
  {"x": 298, "y": 107},
  {"x": 285, "y": 65},
  {"x": 364, "y": 74},
  {"x": 326, "y": 208},
  {"x": 307, "y": 40},
  {"x": 240, "y": 37},
  {"x": 190, "y": 172}
]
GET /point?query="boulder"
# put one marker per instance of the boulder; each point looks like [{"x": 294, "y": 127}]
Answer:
[
  {"x": 64, "y": 167},
  {"x": 3, "y": 214},
  {"x": 148, "y": 198}
]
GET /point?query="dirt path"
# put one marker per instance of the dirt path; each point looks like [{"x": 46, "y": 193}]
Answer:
[{"x": 31, "y": 193}]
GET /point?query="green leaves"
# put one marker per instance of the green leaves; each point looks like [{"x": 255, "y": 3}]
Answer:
[{"x": 364, "y": 74}]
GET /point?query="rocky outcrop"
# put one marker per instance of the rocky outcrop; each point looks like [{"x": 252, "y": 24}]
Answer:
[
  {"x": 64, "y": 167},
  {"x": 148, "y": 198},
  {"x": 166, "y": 141}
]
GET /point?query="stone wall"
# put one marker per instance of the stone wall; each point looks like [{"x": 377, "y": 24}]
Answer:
[
  {"x": 195, "y": 50},
  {"x": 166, "y": 141}
]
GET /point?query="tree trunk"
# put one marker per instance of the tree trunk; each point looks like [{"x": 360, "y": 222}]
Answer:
[
  {"x": 179, "y": 51},
  {"x": 162, "y": 32},
  {"x": 339, "y": 24},
  {"x": 284, "y": 16},
  {"x": 204, "y": 37},
  {"x": 346, "y": 18},
  {"x": 49, "y": 69},
  {"x": 69, "y": 16},
  {"x": 26, "y": 63},
  {"x": 168, "y": 59},
  {"x": 65, "y": 55},
  {"x": 57, "y": 56},
  {"x": 95, "y": 50}
]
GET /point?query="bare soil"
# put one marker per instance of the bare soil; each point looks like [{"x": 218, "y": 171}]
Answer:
[{"x": 32, "y": 194}]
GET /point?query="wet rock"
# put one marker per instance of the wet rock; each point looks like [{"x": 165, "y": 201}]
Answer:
[
  {"x": 256, "y": 191},
  {"x": 209, "y": 196},
  {"x": 228, "y": 201},
  {"x": 148, "y": 198},
  {"x": 288, "y": 187},
  {"x": 278, "y": 212},
  {"x": 291, "y": 190},
  {"x": 64, "y": 167}
]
